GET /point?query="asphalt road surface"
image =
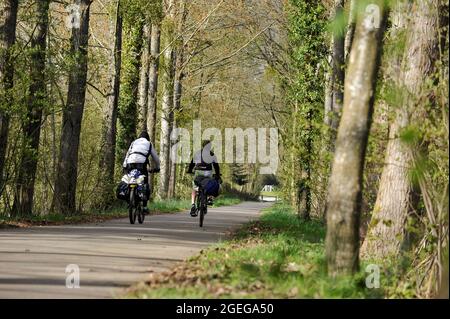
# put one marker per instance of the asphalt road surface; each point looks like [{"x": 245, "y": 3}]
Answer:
[{"x": 110, "y": 256}]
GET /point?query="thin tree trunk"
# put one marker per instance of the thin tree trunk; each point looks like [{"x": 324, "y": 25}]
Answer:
[
  {"x": 395, "y": 198},
  {"x": 350, "y": 29},
  {"x": 167, "y": 104},
  {"x": 295, "y": 195},
  {"x": 166, "y": 110},
  {"x": 144, "y": 81},
  {"x": 8, "y": 22},
  {"x": 338, "y": 70},
  {"x": 108, "y": 143},
  {"x": 153, "y": 81},
  {"x": 153, "y": 88},
  {"x": 328, "y": 105},
  {"x": 177, "y": 89},
  {"x": 66, "y": 179},
  {"x": 345, "y": 188},
  {"x": 306, "y": 185},
  {"x": 23, "y": 201}
]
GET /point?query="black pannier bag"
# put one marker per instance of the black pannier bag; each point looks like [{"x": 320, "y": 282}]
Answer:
[
  {"x": 210, "y": 185},
  {"x": 122, "y": 191},
  {"x": 144, "y": 192},
  {"x": 212, "y": 188}
]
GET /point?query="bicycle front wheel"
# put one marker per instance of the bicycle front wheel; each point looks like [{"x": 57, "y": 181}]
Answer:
[{"x": 202, "y": 216}]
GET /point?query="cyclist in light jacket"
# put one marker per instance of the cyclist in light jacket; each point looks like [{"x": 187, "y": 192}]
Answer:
[{"x": 138, "y": 158}]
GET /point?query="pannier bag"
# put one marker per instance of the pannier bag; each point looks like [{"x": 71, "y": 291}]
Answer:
[
  {"x": 122, "y": 191},
  {"x": 144, "y": 192},
  {"x": 212, "y": 188}
]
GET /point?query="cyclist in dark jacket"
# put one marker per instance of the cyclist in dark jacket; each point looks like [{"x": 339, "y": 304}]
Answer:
[{"x": 202, "y": 165}]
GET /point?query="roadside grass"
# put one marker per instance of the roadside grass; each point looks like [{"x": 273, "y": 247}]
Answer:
[
  {"x": 278, "y": 256},
  {"x": 119, "y": 210},
  {"x": 226, "y": 200},
  {"x": 169, "y": 206}
]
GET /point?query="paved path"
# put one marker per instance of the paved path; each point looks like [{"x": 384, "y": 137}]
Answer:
[{"x": 110, "y": 255}]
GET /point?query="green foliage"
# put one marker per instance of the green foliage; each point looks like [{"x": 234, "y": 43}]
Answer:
[
  {"x": 307, "y": 38},
  {"x": 150, "y": 10},
  {"x": 338, "y": 26},
  {"x": 239, "y": 174},
  {"x": 226, "y": 200},
  {"x": 131, "y": 61},
  {"x": 278, "y": 257}
]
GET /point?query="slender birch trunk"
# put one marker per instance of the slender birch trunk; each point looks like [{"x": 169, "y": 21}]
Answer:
[
  {"x": 177, "y": 89},
  {"x": 167, "y": 103},
  {"x": 153, "y": 89},
  {"x": 144, "y": 81}
]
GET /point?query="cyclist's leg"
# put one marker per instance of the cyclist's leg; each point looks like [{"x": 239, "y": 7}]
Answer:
[
  {"x": 193, "y": 211},
  {"x": 147, "y": 188}
]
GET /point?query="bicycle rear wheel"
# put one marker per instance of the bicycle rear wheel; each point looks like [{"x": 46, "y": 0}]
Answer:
[
  {"x": 202, "y": 216},
  {"x": 140, "y": 214},
  {"x": 202, "y": 208}
]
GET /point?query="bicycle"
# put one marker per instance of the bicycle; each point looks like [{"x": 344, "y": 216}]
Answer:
[
  {"x": 201, "y": 201},
  {"x": 202, "y": 207},
  {"x": 137, "y": 192}
]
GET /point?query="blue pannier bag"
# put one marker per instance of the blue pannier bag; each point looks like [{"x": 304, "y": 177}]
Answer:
[
  {"x": 122, "y": 191},
  {"x": 212, "y": 188}
]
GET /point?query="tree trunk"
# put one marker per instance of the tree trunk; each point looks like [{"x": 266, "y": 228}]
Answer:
[
  {"x": 328, "y": 105},
  {"x": 345, "y": 187},
  {"x": 8, "y": 22},
  {"x": 153, "y": 88},
  {"x": 338, "y": 70},
  {"x": 144, "y": 81},
  {"x": 295, "y": 196},
  {"x": 395, "y": 198},
  {"x": 108, "y": 143},
  {"x": 153, "y": 81},
  {"x": 177, "y": 89},
  {"x": 23, "y": 201},
  {"x": 306, "y": 185},
  {"x": 350, "y": 29},
  {"x": 166, "y": 110},
  {"x": 128, "y": 102},
  {"x": 167, "y": 106},
  {"x": 66, "y": 179}
]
